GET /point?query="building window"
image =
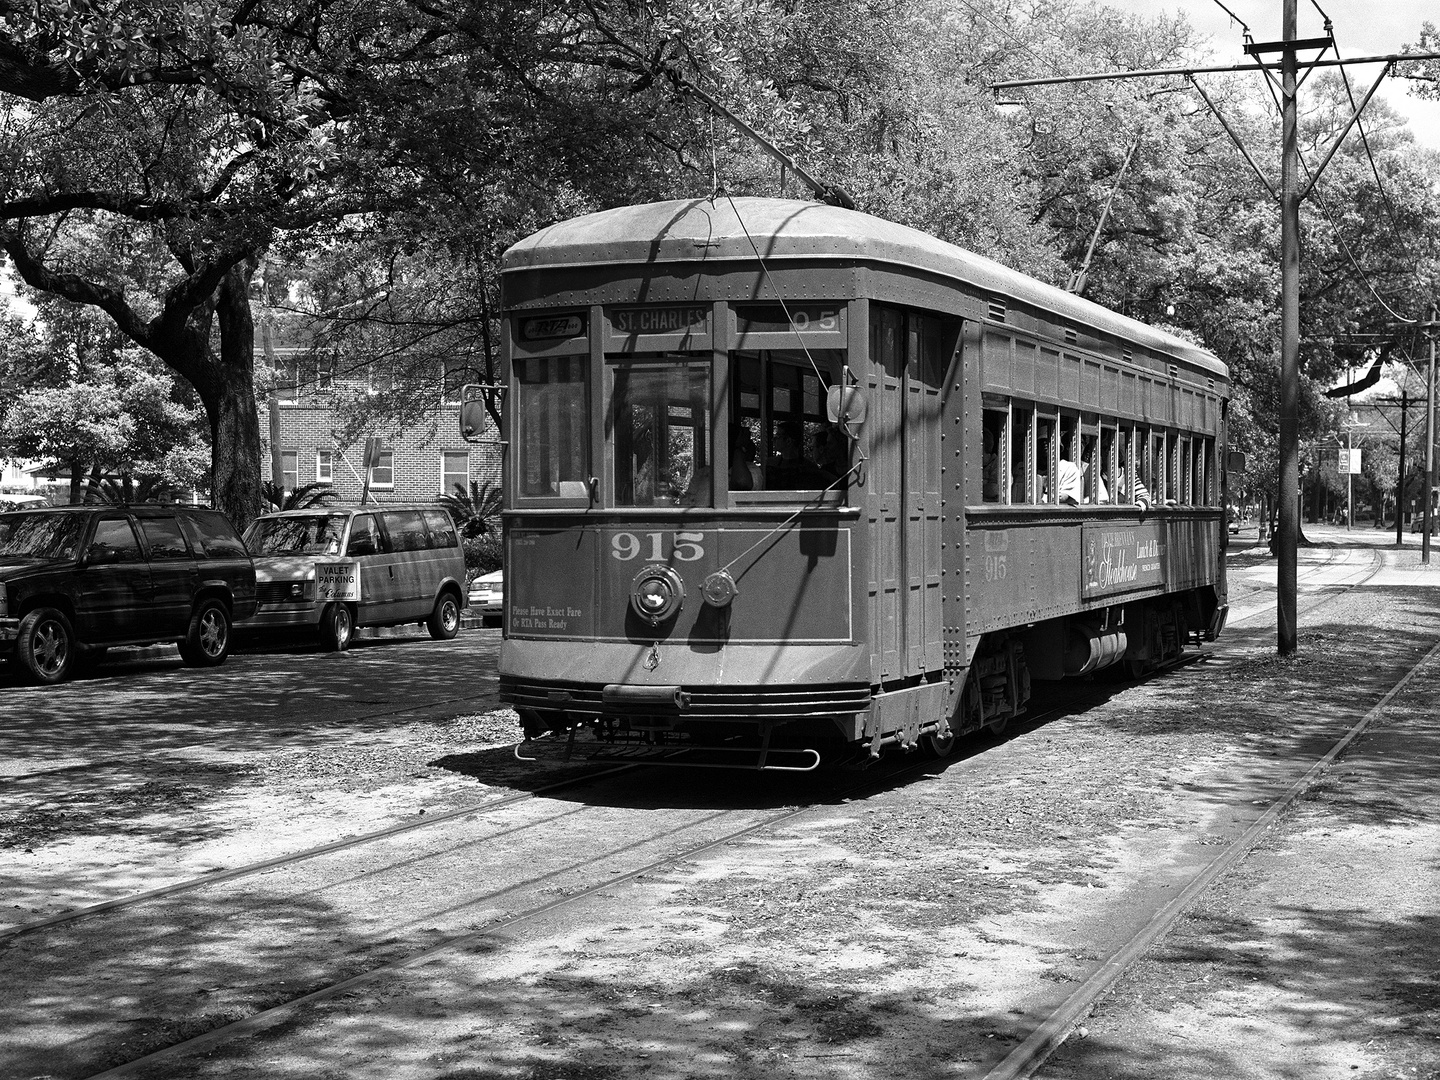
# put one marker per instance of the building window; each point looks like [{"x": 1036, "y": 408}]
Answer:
[
  {"x": 455, "y": 375},
  {"x": 325, "y": 373},
  {"x": 287, "y": 376},
  {"x": 325, "y": 466},
  {"x": 383, "y": 474},
  {"x": 454, "y": 471},
  {"x": 290, "y": 469}
]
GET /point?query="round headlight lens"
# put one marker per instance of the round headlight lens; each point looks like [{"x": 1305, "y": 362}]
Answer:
[{"x": 656, "y": 593}]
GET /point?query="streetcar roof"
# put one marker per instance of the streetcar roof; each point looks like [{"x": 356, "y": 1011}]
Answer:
[{"x": 687, "y": 230}]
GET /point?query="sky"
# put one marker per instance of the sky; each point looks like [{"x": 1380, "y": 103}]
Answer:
[{"x": 1361, "y": 28}]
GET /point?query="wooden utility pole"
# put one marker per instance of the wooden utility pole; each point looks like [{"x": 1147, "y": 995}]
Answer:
[
  {"x": 1286, "y": 624},
  {"x": 1429, "y": 448},
  {"x": 1289, "y": 197}
]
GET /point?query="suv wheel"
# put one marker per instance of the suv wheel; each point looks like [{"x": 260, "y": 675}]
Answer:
[
  {"x": 337, "y": 627},
  {"x": 444, "y": 621},
  {"x": 208, "y": 641},
  {"x": 46, "y": 645}
]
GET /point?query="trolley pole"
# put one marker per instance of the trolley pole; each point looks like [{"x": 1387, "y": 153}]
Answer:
[{"x": 1285, "y": 584}]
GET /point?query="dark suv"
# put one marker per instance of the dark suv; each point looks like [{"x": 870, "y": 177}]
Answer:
[{"x": 76, "y": 580}]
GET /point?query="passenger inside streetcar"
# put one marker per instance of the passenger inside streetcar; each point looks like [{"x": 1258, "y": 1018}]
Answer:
[{"x": 791, "y": 469}]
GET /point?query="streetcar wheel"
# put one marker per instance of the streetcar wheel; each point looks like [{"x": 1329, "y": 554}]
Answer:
[
  {"x": 337, "y": 627},
  {"x": 1136, "y": 667},
  {"x": 444, "y": 621},
  {"x": 207, "y": 643},
  {"x": 46, "y": 645},
  {"x": 997, "y": 727},
  {"x": 938, "y": 746}
]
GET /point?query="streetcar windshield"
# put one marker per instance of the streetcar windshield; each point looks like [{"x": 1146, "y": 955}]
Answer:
[
  {"x": 662, "y": 432},
  {"x": 553, "y": 428},
  {"x": 40, "y": 536},
  {"x": 311, "y": 534},
  {"x": 781, "y": 439}
]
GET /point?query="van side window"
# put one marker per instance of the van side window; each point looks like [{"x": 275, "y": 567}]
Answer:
[
  {"x": 366, "y": 537},
  {"x": 442, "y": 529},
  {"x": 212, "y": 536},
  {"x": 406, "y": 529}
]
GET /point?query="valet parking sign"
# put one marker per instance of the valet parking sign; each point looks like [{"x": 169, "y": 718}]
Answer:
[{"x": 337, "y": 581}]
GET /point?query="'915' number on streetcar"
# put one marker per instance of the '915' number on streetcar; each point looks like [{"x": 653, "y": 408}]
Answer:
[{"x": 685, "y": 546}]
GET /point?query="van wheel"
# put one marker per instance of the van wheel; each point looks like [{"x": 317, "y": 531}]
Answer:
[
  {"x": 444, "y": 621},
  {"x": 337, "y": 627},
  {"x": 208, "y": 642},
  {"x": 46, "y": 645}
]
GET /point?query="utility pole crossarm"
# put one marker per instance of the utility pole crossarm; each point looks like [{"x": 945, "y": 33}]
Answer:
[{"x": 1184, "y": 72}]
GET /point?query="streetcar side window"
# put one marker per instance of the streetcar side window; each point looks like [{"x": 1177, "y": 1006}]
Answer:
[
  {"x": 1022, "y": 457},
  {"x": 1107, "y": 467},
  {"x": 1092, "y": 481},
  {"x": 993, "y": 455},
  {"x": 1045, "y": 454},
  {"x": 1184, "y": 474},
  {"x": 661, "y": 432},
  {"x": 553, "y": 426}
]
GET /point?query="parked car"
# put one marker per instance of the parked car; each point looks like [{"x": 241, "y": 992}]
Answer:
[
  {"x": 75, "y": 581},
  {"x": 332, "y": 569},
  {"x": 487, "y": 596}
]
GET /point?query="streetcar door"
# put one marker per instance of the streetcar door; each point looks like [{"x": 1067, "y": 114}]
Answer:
[
  {"x": 924, "y": 374},
  {"x": 886, "y": 434}
]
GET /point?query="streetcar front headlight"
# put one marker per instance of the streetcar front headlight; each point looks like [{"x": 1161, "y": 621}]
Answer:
[{"x": 656, "y": 594}]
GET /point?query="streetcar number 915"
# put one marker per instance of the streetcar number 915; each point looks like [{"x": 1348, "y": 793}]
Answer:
[{"x": 684, "y": 546}]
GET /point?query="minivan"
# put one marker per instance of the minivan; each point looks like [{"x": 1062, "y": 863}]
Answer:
[{"x": 334, "y": 569}]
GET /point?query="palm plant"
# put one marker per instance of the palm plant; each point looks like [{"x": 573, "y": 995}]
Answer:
[
  {"x": 130, "y": 489},
  {"x": 474, "y": 508},
  {"x": 306, "y": 497}
]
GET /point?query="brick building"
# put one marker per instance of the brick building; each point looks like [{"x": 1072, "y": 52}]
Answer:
[{"x": 417, "y": 463}]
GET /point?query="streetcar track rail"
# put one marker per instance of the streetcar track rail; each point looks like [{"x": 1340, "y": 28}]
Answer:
[
  {"x": 273, "y": 1016},
  {"x": 279, "y": 861},
  {"x": 1047, "y": 1036}
]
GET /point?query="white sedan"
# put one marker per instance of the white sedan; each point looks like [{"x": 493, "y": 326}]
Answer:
[{"x": 487, "y": 596}]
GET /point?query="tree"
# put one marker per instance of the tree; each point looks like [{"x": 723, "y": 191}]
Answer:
[{"x": 145, "y": 153}]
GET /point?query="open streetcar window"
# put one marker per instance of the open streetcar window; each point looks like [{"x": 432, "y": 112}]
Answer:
[
  {"x": 1107, "y": 467},
  {"x": 1022, "y": 457},
  {"x": 777, "y": 406},
  {"x": 661, "y": 431},
  {"x": 993, "y": 452},
  {"x": 553, "y": 426},
  {"x": 1045, "y": 455}
]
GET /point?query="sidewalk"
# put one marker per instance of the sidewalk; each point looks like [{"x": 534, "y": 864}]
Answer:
[{"x": 1317, "y": 955}]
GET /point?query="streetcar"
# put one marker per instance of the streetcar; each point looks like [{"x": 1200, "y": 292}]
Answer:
[{"x": 785, "y": 482}]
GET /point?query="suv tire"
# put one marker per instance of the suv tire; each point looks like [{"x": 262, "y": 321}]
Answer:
[
  {"x": 444, "y": 621},
  {"x": 46, "y": 645},
  {"x": 207, "y": 643},
  {"x": 337, "y": 627}
]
